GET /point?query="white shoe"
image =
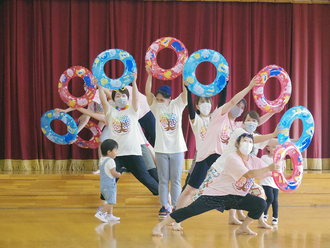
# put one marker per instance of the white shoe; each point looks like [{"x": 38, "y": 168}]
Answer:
[
  {"x": 96, "y": 172},
  {"x": 265, "y": 218},
  {"x": 112, "y": 217},
  {"x": 275, "y": 221},
  {"x": 101, "y": 216}
]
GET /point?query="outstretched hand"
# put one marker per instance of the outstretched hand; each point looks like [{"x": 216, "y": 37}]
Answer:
[{"x": 254, "y": 81}]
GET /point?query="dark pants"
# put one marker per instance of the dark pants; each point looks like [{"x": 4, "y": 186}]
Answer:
[
  {"x": 154, "y": 174},
  {"x": 272, "y": 199},
  {"x": 136, "y": 166},
  {"x": 148, "y": 123},
  {"x": 253, "y": 204},
  {"x": 199, "y": 172}
]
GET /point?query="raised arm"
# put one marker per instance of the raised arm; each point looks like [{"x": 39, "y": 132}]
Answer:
[
  {"x": 135, "y": 94},
  {"x": 104, "y": 102},
  {"x": 229, "y": 105},
  {"x": 262, "y": 138},
  {"x": 149, "y": 95},
  {"x": 265, "y": 118},
  {"x": 191, "y": 109},
  {"x": 108, "y": 93},
  {"x": 184, "y": 92},
  {"x": 223, "y": 96}
]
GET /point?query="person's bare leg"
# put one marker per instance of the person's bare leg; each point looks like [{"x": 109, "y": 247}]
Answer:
[
  {"x": 244, "y": 228},
  {"x": 240, "y": 215},
  {"x": 183, "y": 201},
  {"x": 157, "y": 230},
  {"x": 262, "y": 223},
  {"x": 184, "y": 198},
  {"x": 232, "y": 220}
]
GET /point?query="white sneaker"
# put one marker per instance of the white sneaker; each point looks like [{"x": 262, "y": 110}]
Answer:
[
  {"x": 112, "y": 217},
  {"x": 101, "y": 216},
  {"x": 275, "y": 221},
  {"x": 265, "y": 218},
  {"x": 96, "y": 172}
]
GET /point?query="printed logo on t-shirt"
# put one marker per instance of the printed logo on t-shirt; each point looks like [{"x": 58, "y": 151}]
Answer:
[
  {"x": 225, "y": 135},
  {"x": 168, "y": 122},
  {"x": 202, "y": 132},
  {"x": 121, "y": 124},
  {"x": 243, "y": 184}
]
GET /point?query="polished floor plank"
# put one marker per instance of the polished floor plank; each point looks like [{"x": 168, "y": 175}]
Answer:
[{"x": 298, "y": 227}]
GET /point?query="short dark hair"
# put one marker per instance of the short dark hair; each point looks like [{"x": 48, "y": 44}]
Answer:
[
  {"x": 123, "y": 91},
  {"x": 243, "y": 136},
  {"x": 108, "y": 145},
  {"x": 243, "y": 101},
  {"x": 253, "y": 114},
  {"x": 163, "y": 93}
]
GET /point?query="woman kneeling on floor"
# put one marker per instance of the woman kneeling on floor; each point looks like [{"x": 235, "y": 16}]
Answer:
[{"x": 230, "y": 189}]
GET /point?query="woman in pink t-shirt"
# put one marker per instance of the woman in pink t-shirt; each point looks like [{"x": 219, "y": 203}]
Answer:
[
  {"x": 230, "y": 189},
  {"x": 221, "y": 126}
]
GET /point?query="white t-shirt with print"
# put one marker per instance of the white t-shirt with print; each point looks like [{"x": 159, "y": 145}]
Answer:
[
  {"x": 219, "y": 164},
  {"x": 268, "y": 181},
  {"x": 199, "y": 128},
  {"x": 123, "y": 128},
  {"x": 231, "y": 180},
  {"x": 169, "y": 135},
  {"x": 108, "y": 166}
]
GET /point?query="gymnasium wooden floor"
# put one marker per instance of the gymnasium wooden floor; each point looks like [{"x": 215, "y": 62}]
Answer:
[{"x": 45, "y": 224}]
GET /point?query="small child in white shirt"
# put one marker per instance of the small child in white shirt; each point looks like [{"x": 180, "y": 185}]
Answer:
[
  {"x": 269, "y": 185},
  {"x": 108, "y": 175}
]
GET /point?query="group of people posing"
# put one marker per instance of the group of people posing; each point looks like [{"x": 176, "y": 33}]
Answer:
[{"x": 225, "y": 163}]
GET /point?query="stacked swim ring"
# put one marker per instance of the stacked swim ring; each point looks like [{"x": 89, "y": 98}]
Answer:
[
  {"x": 103, "y": 79},
  {"x": 90, "y": 87},
  {"x": 258, "y": 90},
  {"x": 222, "y": 72},
  {"x": 288, "y": 185},
  {"x": 151, "y": 58},
  {"x": 51, "y": 115},
  {"x": 302, "y": 113},
  {"x": 94, "y": 141}
]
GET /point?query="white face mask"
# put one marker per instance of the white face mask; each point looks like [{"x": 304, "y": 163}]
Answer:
[
  {"x": 251, "y": 126},
  {"x": 236, "y": 112},
  {"x": 162, "y": 104},
  {"x": 245, "y": 147},
  {"x": 121, "y": 102},
  {"x": 205, "y": 108}
]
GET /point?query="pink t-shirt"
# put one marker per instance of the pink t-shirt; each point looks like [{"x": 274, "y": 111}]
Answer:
[
  {"x": 217, "y": 135},
  {"x": 231, "y": 180}
]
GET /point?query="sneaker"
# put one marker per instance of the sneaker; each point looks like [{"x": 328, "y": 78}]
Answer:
[
  {"x": 101, "y": 216},
  {"x": 162, "y": 212},
  {"x": 96, "y": 172},
  {"x": 99, "y": 209},
  {"x": 275, "y": 221},
  {"x": 265, "y": 218},
  {"x": 112, "y": 217},
  {"x": 169, "y": 209}
]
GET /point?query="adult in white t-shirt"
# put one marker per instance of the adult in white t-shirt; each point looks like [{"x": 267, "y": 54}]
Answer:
[
  {"x": 122, "y": 121},
  {"x": 146, "y": 118},
  {"x": 169, "y": 144},
  {"x": 230, "y": 189}
]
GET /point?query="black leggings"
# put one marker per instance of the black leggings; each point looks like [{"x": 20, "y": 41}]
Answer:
[
  {"x": 272, "y": 199},
  {"x": 136, "y": 166},
  {"x": 147, "y": 122},
  {"x": 253, "y": 204},
  {"x": 200, "y": 169}
]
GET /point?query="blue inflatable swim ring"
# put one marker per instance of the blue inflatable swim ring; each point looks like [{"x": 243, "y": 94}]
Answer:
[
  {"x": 72, "y": 128},
  {"x": 206, "y": 55},
  {"x": 103, "y": 79},
  {"x": 307, "y": 119}
]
